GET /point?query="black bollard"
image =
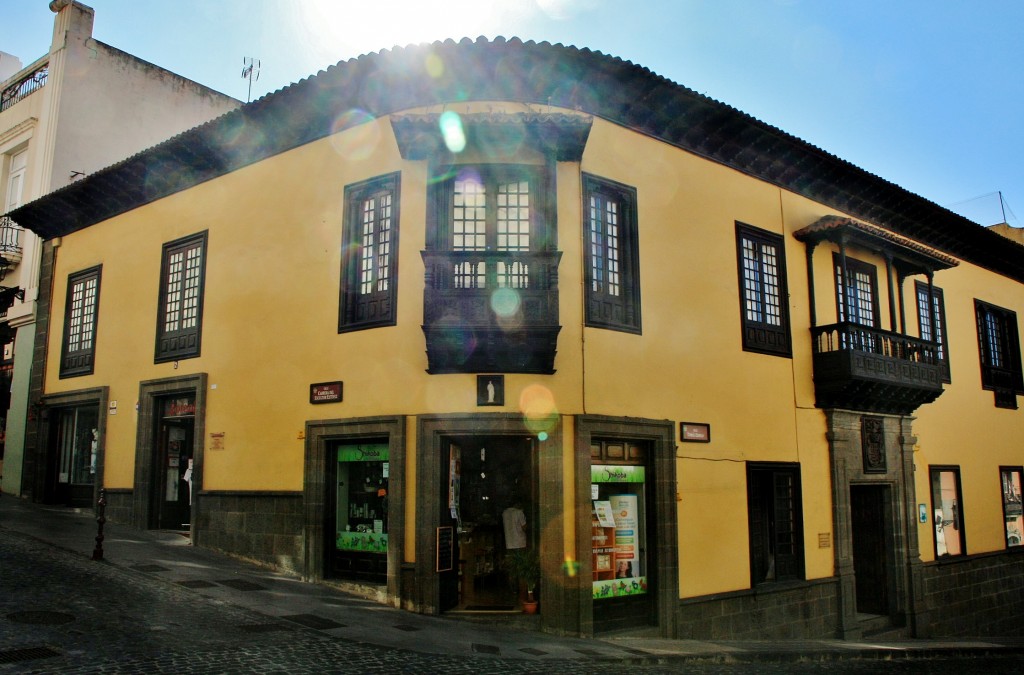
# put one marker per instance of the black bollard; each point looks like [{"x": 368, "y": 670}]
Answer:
[{"x": 97, "y": 553}]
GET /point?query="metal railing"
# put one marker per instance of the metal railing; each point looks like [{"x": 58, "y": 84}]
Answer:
[
  {"x": 10, "y": 238},
  {"x": 23, "y": 87}
]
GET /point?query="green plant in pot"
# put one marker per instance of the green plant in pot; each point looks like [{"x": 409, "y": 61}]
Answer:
[{"x": 523, "y": 565}]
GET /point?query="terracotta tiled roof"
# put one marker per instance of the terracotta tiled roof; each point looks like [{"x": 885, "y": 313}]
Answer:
[{"x": 534, "y": 73}]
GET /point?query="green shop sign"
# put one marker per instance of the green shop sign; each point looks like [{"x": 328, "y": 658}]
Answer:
[
  {"x": 612, "y": 473},
  {"x": 363, "y": 453}
]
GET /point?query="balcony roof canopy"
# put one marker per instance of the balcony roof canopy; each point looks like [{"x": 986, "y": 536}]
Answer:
[
  {"x": 499, "y": 136},
  {"x": 909, "y": 256}
]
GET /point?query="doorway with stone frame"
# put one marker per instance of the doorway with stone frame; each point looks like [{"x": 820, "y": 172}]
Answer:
[{"x": 874, "y": 506}]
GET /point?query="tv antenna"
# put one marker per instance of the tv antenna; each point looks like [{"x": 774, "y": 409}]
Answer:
[{"x": 250, "y": 71}]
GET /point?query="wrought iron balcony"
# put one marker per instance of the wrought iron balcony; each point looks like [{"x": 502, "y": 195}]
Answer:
[
  {"x": 491, "y": 311},
  {"x": 10, "y": 240},
  {"x": 863, "y": 368},
  {"x": 23, "y": 86}
]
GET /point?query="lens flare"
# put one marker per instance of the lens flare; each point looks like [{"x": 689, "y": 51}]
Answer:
[
  {"x": 434, "y": 66},
  {"x": 354, "y": 134},
  {"x": 452, "y": 132},
  {"x": 505, "y": 302},
  {"x": 537, "y": 404}
]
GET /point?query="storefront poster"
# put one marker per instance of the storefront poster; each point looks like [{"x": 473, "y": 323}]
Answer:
[
  {"x": 627, "y": 554},
  {"x": 603, "y": 510}
]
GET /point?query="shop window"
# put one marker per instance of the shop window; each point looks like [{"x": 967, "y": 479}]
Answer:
[
  {"x": 999, "y": 348},
  {"x": 775, "y": 521},
  {"x": 361, "y": 516},
  {"x": 947, "y": 511},
  {"x": 1013, "y": 518},
  {"x": 180, "y": 319},
  {"x": 79, "y": 344},
  {"x": 931, "y": 319},
  {"x": 619, "y": 528},
  {"x": 369, "y": 263},
  {"x": 763, "y": 295},
  {"x": 612, "y": 255}
]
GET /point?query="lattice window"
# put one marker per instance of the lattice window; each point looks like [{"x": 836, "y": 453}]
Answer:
[
  {"x": 369, "y": 254},
  {"x": 375, "y": 263},
  {"x": 613, "y": 288},
  {"x": 762, "y": 291},
  {"x": 80, "y": 323},
  {"x": 181, "y": 298}
]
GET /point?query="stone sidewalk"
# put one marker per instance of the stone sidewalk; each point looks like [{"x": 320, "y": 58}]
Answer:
[{"x": 281, "y": 602}]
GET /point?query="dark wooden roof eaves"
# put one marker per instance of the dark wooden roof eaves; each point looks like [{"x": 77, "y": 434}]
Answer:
[{"x": 540, "y": 73}]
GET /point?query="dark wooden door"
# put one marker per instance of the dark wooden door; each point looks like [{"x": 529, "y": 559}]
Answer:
[
  {"x": 447, "y": 558},
  {"x": 174, "y": 470},
  {"x": 870, "y": 559}
]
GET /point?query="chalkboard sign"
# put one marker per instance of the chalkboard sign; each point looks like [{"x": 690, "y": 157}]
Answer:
[{"x": 445, "y": 548}]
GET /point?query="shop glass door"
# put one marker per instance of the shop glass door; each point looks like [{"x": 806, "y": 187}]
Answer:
[{"x": 361, "y": 513}]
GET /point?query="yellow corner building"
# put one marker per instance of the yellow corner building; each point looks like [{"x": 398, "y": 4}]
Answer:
[{"x": 462, "y": 324}]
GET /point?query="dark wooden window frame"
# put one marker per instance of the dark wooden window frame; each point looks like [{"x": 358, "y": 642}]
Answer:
[
  {"x": 80, "y": 361},
  {"x": 761, "y": 336},
  {"x": 358, "y": 310},
  {"x": 784, "y": 570},
  {"x": 626, "y": 305},
  {"x": 440, "y": 217},
  {"x": 938, "y": 311},
  {"x": 959, "y": 523},
  {"x": 182, "y": 343},
  {"x": 1000, "y": 368},
  {"x": 853, "y": 266}
]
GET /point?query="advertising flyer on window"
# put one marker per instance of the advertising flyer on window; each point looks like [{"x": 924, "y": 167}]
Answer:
[{"x": 629, "y": 578}]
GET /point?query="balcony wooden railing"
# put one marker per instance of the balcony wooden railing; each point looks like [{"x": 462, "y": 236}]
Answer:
[
  {"x": 863, "y": 368},
  {"x": 491, "y": 311},
  {"x": 22, "y": 87}
]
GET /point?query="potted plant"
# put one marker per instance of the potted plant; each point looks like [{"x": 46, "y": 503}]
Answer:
[{"x": 523, "y": 565}]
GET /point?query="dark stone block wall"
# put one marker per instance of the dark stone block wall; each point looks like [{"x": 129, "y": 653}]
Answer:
[
  {"x": 805, "y": 610},
  {"x": 976, "y": 596},
  {"x": 120, "y": 506},
  {"x": 266, "y": 527}
]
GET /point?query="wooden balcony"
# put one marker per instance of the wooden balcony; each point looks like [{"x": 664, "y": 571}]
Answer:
[
  {"x": 491, "y": 311},
  {"x": 862, "y": 368}
]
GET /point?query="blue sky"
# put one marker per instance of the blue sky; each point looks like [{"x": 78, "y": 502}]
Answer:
[{"x": 926, "y": 94}]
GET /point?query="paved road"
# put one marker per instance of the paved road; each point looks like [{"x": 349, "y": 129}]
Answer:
[{"x": 159, "y": 606}]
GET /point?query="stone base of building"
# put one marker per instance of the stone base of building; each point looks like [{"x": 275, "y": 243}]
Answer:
[
  {"x": 975, "y": 596},
  {"x": 265, "y": 527},
  {"x": 797, "y": 610}
]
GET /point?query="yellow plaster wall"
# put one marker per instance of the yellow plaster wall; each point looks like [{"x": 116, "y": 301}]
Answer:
[
  {"x": 963, "y": 427},
  {"x": 270, "y": 325}
]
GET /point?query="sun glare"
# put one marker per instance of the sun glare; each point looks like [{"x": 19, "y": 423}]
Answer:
[{"x": 334, "y": 30}]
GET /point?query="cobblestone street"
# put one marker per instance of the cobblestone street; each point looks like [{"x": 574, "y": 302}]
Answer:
[{"x": 157, "y": 605}]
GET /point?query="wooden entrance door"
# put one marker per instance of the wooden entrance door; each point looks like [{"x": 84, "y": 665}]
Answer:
[{"x": 870, "y": 547}]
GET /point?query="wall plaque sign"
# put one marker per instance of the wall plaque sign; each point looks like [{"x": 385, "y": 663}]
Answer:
[
  {"x": 325, "y": 392},
  {"x": 694, "y": 432}
]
